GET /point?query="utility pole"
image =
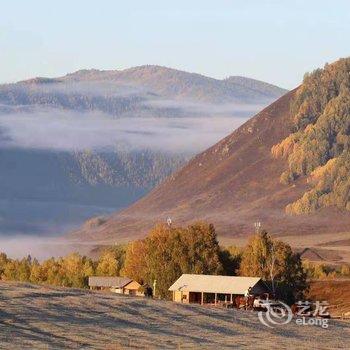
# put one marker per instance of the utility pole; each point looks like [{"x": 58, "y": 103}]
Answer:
[
  {"x": 154, "y": 288},
  {"x": 257, "y": 226},
  {"x": 272, "y": 266}
]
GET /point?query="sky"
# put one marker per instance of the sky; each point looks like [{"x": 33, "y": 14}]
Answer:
[{"x": 274, "y": 41}]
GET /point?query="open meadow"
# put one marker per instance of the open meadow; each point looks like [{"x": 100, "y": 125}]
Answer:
[{"x": 39, "y": 317}]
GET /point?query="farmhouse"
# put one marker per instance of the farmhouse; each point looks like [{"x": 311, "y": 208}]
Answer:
[
  {"x": 211, "y": 289},
  {"x": 120, "y": 285}
]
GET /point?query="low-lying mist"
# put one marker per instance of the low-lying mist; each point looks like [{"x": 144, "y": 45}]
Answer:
[
  {"x": 39, "y": 247},
  {"x": 104, "y": 118},
  {"x": 55, "y": 129}
]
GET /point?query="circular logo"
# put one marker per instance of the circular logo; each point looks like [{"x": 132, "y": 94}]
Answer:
[{"x": 275, "y": 315}]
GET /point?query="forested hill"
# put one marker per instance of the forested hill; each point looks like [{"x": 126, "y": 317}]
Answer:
[
  {"x": 129, "y": 90},
  {"x": 291, "y": 158},
  {"x": 319, "y": 147},
  {"x": 105, "y": 138},
  {"x": 139, "y": 99}
]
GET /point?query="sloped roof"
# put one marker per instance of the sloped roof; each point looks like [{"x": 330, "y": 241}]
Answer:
[
  {"x": 214, "y": 284},
  {"x": 116, "y": 282}
]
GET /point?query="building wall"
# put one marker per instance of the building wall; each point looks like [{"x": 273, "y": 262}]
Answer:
[
  {"x": 181, "y": 297},
  {"x": 133, "y": 288},
  {"x": 130, "y": 289},
  {"x": 117, "y": 290}
]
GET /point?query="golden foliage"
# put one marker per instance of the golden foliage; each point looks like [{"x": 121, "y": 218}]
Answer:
[
  {"x": 321, "y": 271},
  {"x": 321, "y": 171},
  {"x": 168, "y": 252},
  {"x": 320, "y": 146},
  {"x": 285, "y": 147},
  {"x": 273, "y": 260}
]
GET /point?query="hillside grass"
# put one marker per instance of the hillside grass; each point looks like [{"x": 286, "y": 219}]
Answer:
[
  {"x": 38, "y": 317},
  {"x": 335, "y": 292}
]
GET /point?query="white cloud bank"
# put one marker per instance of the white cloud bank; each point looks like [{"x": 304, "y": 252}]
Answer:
[{"x": 55, "y": 129}]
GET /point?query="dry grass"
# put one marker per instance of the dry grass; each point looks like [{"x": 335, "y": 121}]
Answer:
[
  {"x": 335, "y": 292},
  {"x": 54, "y": 318}
]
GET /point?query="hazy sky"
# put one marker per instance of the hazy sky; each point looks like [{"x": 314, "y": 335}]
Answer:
[{"x": 275, "y": 41}]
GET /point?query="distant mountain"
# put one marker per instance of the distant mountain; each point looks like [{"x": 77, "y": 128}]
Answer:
[
  {"x": 105, "y": 138},
  {"x": 287, "y": 167},
  {"x": 174, "y": 83},
  {"x": 136, "y": 89},
  {"x": 260, "y": 87}
]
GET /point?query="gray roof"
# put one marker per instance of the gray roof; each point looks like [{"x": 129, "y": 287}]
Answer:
[
  {"x": 116, "y": 282},
  {"x": 214, "y": 284}
]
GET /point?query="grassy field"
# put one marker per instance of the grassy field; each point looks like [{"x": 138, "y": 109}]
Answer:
[
  {"x": 36, "y": 317},
  {"x": 335, "y": 292}
]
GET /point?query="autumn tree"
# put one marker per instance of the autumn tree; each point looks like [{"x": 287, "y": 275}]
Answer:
[
  {"x": 274, "y": 261},
  {"x": 135, "y": 261},
  {"x": 76, "y": 270},
  {"x": 3, "y": 263},
  {"x": 17, "y": 270},
  {"x": 230, "y": 258},
  {"x": 111, "y": 261},
  {"x": 167, "y": 252}
]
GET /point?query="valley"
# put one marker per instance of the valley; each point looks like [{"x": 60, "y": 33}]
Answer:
[
  {"x": 93, "y": 142},
  {"x": 242, "y": 179},
  {"x": 174, "y": 175}
]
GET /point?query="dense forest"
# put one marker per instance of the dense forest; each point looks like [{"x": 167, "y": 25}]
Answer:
[
  {"x": 140, "y": 169},
  {"x": 319, "y": 146}
]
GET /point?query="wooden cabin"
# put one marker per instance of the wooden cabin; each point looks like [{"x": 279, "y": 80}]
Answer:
[
  {"x": 120, "y": 285},
  {"x": 213, "y": 289}
]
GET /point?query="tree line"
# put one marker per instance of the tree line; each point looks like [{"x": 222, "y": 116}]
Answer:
[
  {"x": 168, "y": 252},
  {"x": 72, "y": 270}
]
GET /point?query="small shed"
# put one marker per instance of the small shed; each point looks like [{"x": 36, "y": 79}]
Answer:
[
  {"x": 120, "y": 285},
  {"x": 211, "y": 289}
]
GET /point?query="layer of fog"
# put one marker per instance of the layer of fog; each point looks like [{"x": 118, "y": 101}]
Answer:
[
  {"x": 156, "y": 123},
  {"x": 180, "y": 93},
  {"x": 55, "y": 129},
  {"x": 188, "y": 104},
  {"x": 19, "y": 246},
  {"x": 159, "y": 123}
]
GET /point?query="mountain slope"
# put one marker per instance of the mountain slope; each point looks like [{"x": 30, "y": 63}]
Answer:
[
  {"x": 320, "y": 146},
  {"x": 255, "y": 85},
  {"x": 232, "y": 184},
  {"x": 103, "y": 139}
]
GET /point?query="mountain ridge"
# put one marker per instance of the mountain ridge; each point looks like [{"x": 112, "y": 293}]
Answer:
[
  {"x": 141, "y": 122},
  {"x": 164, "y": 79},
  {"x": 238, "y": 180}
]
